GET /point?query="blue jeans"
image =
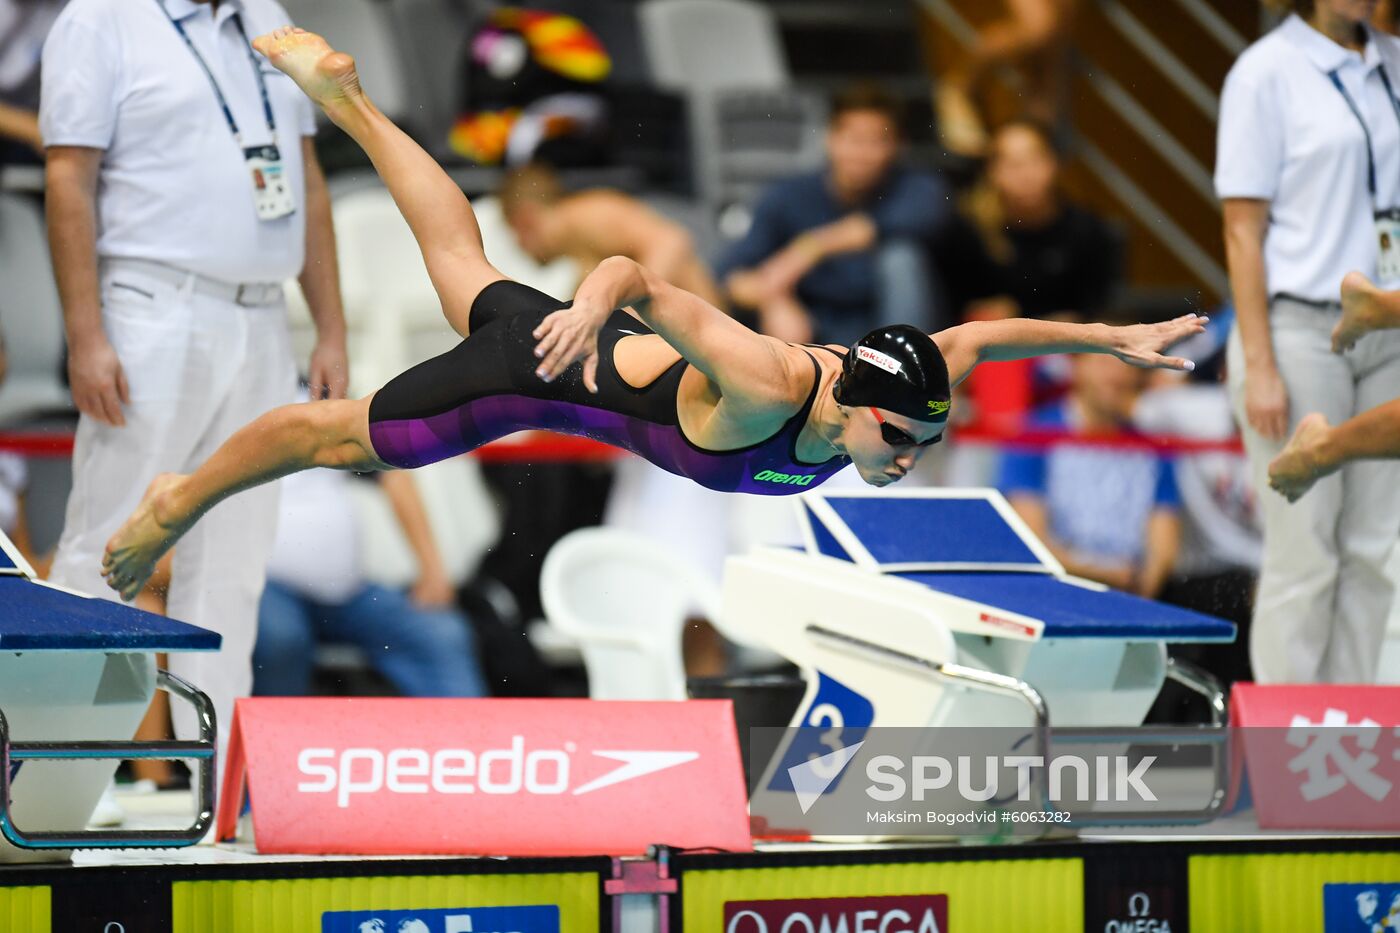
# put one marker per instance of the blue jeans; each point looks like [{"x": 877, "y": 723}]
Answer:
[{"x": 422, "y": 652}]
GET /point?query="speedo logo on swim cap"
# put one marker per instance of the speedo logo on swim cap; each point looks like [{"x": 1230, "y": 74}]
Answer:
[
  {"x": 768, "y": 476},
  {"x": 938, "y": 408},
  {"x": 888, "y": 363}
]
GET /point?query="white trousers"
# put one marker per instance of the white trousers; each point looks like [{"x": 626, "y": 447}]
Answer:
[
  {"x": 1324, "y": 591},
  {"x": 198, "y": 369}
]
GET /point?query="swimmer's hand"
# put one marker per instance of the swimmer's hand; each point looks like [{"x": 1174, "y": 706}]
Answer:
[
  {"x": 1142, "y": 344},
  {"x": 567, "y": 336}
]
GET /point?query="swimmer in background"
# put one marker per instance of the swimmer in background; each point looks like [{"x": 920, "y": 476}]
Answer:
[
  {"x": 677, "y": 382},
  {"x": 592, "y": 225}
]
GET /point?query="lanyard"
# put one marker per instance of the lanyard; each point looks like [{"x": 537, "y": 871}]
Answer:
[
  {"x": 1351, "y": 105},
  {"x": 257, "y": 73}
]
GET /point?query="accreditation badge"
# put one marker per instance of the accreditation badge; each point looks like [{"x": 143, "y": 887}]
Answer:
[
  {"x": 272, "y": 192},
  {"x": 1388, "y": 244}
]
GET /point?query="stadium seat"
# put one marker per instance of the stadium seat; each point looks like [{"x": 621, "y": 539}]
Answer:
[
  {"x": 681, "y": 37},
  {"x": 364, "y": 28},
  {"x": 430, "y": 35},
  {"x": 31, "y": 317},
  {"x": 748, "y": 124},
  {"x": 626, "y": 603}
]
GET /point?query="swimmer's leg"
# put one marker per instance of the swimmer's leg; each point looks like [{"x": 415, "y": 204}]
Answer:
[
  {"x": 286, "y": 440},
  {"x": 1364, "y": 308},
  {"x": 1318, "y": 449},
  {"x": 436, "y": 209}
]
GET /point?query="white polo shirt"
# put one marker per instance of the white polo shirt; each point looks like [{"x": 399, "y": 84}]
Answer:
[
  {"x": 174, "y": 185},
  {"x": 1286, "y": 135}
]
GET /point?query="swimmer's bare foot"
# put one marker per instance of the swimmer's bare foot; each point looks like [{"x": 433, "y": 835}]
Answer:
[
  {"x": 328, "y": 77},
  {"x": 1301, "y": 463},
  {"x": 151, "y": 530},
  {"x": 1361, "y": 312}
]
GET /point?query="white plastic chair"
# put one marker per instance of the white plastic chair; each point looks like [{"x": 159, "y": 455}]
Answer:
[{"x": 626, "y": 603}]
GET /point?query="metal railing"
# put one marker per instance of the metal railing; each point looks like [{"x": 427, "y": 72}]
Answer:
[
  {"x": 1044, "y": 735},
  {"x": 201, "y": 751}
]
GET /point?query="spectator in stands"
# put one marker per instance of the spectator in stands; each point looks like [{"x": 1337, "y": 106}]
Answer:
[
  {"x": 1307, "y": 102},
  {"x": 318, "y": 592},
  {"x": 1107, "y": 513},
  {"x": 1027, "y": 250},
  {"x": 835, "y": 253},
  {"x": 589, "y": 226},
  {"x": 170, "y": 235},
  {"x": 1030, "y": 35},
  {"x": 23, "y": 26}
]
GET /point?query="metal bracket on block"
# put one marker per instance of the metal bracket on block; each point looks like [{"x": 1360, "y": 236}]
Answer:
[
  {"x": 649, "y": 876},
  {"x": 201, "y": 750},
  {"x": 1214, "y": 735}
]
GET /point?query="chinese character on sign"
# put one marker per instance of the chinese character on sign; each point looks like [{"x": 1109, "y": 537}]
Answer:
[{"x": 1327, "y": 762}]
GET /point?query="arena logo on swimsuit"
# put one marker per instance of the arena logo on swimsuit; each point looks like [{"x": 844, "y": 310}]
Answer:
[{"x": 791, "y": 479}]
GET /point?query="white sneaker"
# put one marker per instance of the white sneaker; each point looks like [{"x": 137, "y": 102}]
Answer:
[{"x": 108, "y": 812}]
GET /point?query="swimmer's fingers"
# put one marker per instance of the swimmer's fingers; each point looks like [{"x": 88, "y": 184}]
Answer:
[
  {"x": 572, "y": 337},
  {"x": 551, "y": 333},
  {"x": 590, "y": 371},
  {"x": 1141, "y": 344}
]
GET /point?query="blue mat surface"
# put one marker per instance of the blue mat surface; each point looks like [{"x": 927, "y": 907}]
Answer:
[
  {"x": 1071, "y": 611},
  {"x": 38, "y": 618}
]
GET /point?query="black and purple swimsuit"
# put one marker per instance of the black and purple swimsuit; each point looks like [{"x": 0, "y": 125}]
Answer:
[{"x": 485, "y": 388}]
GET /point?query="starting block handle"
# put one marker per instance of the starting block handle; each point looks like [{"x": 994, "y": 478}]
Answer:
[{"x": 203, "y": 751}]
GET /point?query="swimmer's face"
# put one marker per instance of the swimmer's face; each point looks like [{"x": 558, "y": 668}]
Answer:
[{"x": 885, "y": 453}]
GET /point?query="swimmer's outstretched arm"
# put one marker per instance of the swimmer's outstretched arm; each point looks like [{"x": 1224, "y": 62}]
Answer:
[
  {"x": 1318, "y": 449},
  {"x": 976, "y": 342},
  {"x": 748, "y": 367}
]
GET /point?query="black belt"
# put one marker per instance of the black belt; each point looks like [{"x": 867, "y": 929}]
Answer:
[{"x": 1310, "y": 302}]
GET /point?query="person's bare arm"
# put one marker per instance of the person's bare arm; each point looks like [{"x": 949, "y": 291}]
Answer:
[
  {"x": 20, "y": 124},
  {"x": 433, "y": 588},
  {"x": 976, "y": 342},
  {"x": 851, "y": 234},
  {"x": 613, "y": 224},
  {"x": 1163, "y": 543},
  {"x": 329, "y": 371},
  {"x": 1032, "y": 510},
  {"x": 747, "y": 367},
  {"x": 94, "y": 372},
  {"x": 1266, "y": 398}
]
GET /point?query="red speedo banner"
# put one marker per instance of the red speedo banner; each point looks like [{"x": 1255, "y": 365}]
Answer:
[{"x": 485, "y": 777}]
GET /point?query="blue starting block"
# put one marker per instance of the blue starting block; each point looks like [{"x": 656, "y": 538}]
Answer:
[
  {"x": 76, "y": 677},
  {"x": 940, "y": 607}
]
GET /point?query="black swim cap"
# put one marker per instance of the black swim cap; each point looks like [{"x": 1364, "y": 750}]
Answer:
[{"x": 899, "y": 369}]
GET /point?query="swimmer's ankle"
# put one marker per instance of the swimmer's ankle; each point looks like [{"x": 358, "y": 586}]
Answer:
[{"x": 168, "y": 507}]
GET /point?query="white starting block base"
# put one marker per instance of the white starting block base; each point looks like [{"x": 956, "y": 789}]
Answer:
[{"x": 76, "y": 677}]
